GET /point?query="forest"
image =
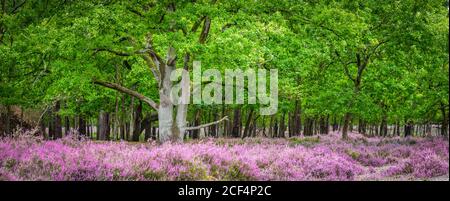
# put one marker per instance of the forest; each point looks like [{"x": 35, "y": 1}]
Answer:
[{"x": 361, "y": 89}]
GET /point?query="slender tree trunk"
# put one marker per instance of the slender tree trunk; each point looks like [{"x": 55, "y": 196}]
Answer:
[
  {"x": 51, "y": 125},
  {"x": 335, "y": 124},
  {"x": 197, "y": 121},
  {"x": 444, "y": 124},
  {"x": 137, "y": 122},
  {"x": 383, "y": 126},
  {"x": 397, "y": 129},
  {"x": 282, "y": 125},
  {"x": 297, "y": 124},
  {"x": 122, "y": 119},
  {"x": 132, "y": 119},
  {"x": 247, "y": 124},
  {"x": 8, "y": 120},
  {"x": 264, "y": 126},
  {"x": 236, "y": 123},
  {"x": 290, "y": 124},
  {"x": 42, "y": 128},
  {"x": 275, "y": 127},
  {"x": 272, "y": 117},
  {"x": 116, "y": 119},
  {"x": 57, "y": 121},
  {"x": 66, "y": 125},
  {"x": 147, "y": 125}
]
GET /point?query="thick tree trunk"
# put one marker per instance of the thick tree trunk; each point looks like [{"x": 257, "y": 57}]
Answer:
[
  {"x": 345, "y": 126},
  {"x": 103, "y": 128},
  {"x": 182, "y": 107},
  {"x": 409, "y": 128},
  {"x": 81, "y": 125},
  {"x": 165, "y": 114}
]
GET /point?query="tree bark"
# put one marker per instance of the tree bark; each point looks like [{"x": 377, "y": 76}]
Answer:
[
  {"x": 282, "y": 125},
  {"x": 408, "y": 129},
  {"x": 66, "y": 125},
  {"x": 137, "y": 122},
  {"x": 236, "y": 132},
  {"x": 57, "y": 121},
  {"x": 81, "y": 125},
  {"x": 167, "y": 130},
  {"x": 51, "y": 124},
  {"x": 103, "y": 130},
  {"x": 247, "y": 124},
  {"x": 444, "y": 124}
]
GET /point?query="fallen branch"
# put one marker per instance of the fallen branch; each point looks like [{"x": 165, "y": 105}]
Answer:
[{"x": 207, "y": 125}]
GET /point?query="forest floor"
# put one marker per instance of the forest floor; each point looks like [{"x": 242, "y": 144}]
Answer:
[{"x": 322, "y": 157}]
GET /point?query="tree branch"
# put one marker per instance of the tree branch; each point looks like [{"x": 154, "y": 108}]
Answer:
[
  {"x": 207, "y": 125},
  {"x": 197, "y": 24},
  {"x": 16, "y": 8},
  {"x": 122, "y": 89},
  {"x": 375, "y": 48},
  {"x": 347, "y": 73},
  {"x": 205, "y": 30}
]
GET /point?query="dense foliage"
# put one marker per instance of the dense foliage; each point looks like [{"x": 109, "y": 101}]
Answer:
[{"x": 353, "y": 62}]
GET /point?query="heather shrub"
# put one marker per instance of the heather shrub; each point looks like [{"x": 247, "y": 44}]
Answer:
[
  {"x": 427, "y": 163},
  {"x": 27, "y": 157}
]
